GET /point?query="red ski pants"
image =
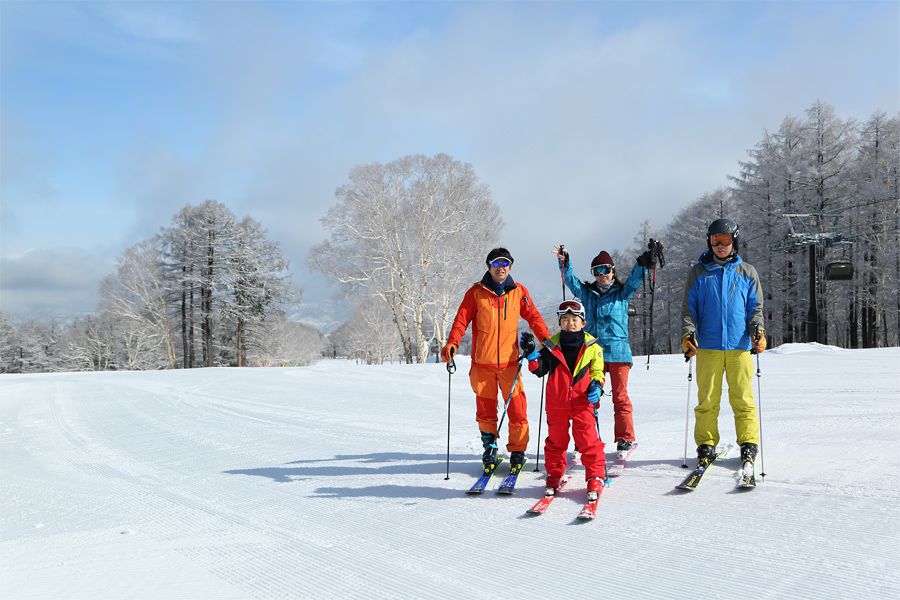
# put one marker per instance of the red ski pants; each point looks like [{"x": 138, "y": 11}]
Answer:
[
  {"x": 584, "y": 430},
  {"x": 618, "y": 376},
  {"x": 485, "y": 382}
]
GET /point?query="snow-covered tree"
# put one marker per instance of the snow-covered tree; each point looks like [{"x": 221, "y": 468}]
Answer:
[
  {"x": 10, "y": 346},
  {"x": 136, "y": 294},
  {"x": 257, "y": 280},
  {"x": 409, "y": 233},
  {"x": 197, "y": 247}
]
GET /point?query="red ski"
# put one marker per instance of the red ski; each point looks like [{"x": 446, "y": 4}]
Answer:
[
  {"x": 542, "y": 505},
  {"x": 590, "y": 509}
]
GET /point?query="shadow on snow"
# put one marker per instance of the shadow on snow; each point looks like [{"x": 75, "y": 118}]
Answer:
[{"x": 377, "y": 464}]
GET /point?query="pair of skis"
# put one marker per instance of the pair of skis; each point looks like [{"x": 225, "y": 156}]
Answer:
[
  {"x": 746, "y": 477},
  {"x": 590, "y": 507},
  {"x": 587, "y": 513},
  {"x": 509, "y": 483}
]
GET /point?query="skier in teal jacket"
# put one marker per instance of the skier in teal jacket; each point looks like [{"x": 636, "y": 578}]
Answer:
[{"x": 606, "y": 306}]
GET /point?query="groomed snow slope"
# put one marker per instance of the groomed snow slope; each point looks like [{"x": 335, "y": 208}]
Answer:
[{"x": 329, "y": 482}]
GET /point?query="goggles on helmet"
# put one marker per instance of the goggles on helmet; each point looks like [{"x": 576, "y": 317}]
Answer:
[
  {"x": 599, "y": 270},
  {"x": 570, "y": 306},
  {"x": 501, "y": 262},
  {"x": 721, "y": 239}
]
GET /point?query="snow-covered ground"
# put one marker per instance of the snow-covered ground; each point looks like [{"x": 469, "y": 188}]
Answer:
[{"x": 329, "y": 482}]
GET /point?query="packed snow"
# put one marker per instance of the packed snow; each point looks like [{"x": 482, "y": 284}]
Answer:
[{"x": 330, "y": 481}]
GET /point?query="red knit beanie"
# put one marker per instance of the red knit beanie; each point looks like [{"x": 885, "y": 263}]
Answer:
[{"x": 602, "y": 259}]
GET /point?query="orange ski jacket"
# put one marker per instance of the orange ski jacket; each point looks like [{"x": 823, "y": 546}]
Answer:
[{"x": 495, "y": 322}]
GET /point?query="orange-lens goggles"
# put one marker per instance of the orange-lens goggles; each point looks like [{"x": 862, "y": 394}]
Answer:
[{"x": 721, "y": 239}]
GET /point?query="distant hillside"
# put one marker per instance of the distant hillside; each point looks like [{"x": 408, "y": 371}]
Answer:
[{"x": 324, "y": 316}]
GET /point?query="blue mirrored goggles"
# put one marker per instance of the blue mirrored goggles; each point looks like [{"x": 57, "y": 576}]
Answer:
[
  {"x": 501, "y": 262},
  {"x": 602, "y": 270}
]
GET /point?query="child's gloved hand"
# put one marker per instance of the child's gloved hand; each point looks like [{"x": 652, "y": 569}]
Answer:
[{"x": 594, "y": 391}]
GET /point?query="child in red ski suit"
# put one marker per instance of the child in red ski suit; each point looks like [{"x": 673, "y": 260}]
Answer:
[{"x": 574, "y": 361}]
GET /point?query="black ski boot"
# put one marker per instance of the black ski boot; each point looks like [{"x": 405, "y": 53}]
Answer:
[
  {"x": 748, "y": 452},
  {"x": 705, "y": 454},
  {"x": 622, "y": 448},
  {"x": 489, "y": 458},
  {"x": 516, "y": 461}
]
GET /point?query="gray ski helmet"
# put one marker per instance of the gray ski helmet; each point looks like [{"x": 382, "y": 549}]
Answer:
[{"x": 723, "y": 226}]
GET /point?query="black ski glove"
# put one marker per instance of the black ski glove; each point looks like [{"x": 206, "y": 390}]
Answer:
[
  {"x": 527, "y": 343},
  {"x": 646, "y": 260}
]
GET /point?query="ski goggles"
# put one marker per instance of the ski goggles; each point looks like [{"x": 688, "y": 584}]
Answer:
[
  {"x": 721, "y": 239},
  {"x": 599, "y": 270},
  {"x": 501, "y": 262},
  {"x": 570, "y": 306}
]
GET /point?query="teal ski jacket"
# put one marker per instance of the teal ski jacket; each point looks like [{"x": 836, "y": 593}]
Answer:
[{"x": 607, "y": 313}]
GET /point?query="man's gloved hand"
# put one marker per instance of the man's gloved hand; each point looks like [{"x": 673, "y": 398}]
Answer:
[
  {"x": 689, "y": 343},
  {"x": 448, "y": 351},
  {"x": 526, "y": 343},
  {"x": 759, "y": 341}
]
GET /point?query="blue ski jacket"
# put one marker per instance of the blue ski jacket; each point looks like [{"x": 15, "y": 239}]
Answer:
[
  {"x": 722, "y": 304},
  {"x": 607, "y": 313}
]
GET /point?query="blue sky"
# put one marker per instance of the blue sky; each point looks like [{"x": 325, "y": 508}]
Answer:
[{"x": 584, "y": 118}]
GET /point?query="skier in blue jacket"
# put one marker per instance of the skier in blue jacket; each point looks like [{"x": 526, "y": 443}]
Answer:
[
  {"x": 606, "y": 305},
  {"x": 722, "y": 320}
]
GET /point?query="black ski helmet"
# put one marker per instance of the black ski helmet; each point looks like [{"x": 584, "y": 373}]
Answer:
[{"x": 723, "y": 226}]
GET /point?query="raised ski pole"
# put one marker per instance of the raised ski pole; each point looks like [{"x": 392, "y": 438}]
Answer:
[
  {"x": 562, "y": 270},
  {"x": 652, "y": 296},
  {"x": 687, "y": 411},
  {"x": 540, "y": 422},
  {"x": 451, "y": 369},
  {"x": 655, "y": 246},
  {"x": 762, "y": 464}
]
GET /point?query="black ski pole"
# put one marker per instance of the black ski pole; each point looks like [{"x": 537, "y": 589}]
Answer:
[
  {"x": 562, "y": 270},
  {"x": 540, "y": 422},
  {"x": 762, "y": 464},
  {"x": 597, "y": 422},
  {"x": 656, "y": 252},
  {"x": 513, "y": 389},
  {"x": 652, "y": 296},
  {"x": 451, "y": 369},
  {"x": 687, "y": 411}
]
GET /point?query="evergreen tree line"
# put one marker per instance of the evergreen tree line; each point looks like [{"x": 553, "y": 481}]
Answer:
[
  {"x": 209, "y": 290},
  {"x": 817, "y": 165}
]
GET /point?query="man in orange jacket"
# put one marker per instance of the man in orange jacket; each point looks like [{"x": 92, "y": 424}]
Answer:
[{"x": 494, "y": 306}]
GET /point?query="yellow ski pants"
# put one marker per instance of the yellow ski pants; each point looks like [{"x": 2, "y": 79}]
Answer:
[{"x": 737, "y": 366}]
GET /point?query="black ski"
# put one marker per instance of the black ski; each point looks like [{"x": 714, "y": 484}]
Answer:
[{"x": 691, "y": 482}]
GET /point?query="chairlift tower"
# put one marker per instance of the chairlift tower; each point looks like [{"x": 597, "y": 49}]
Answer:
[{"x": 816, "y": 231}]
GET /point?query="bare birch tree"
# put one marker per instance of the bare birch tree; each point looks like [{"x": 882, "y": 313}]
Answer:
[
  {"x": 136, "y": 294},
  {"x": 394, "y": 230}
]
